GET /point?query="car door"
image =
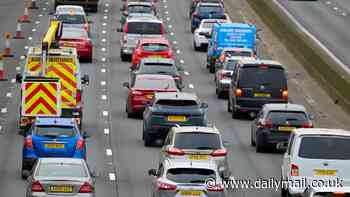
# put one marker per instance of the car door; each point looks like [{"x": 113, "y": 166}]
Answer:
[
  {"x": 287, "y": 157},
  {"x": 255, "y": 122}
]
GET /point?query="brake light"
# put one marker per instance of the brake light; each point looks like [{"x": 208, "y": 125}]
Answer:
[
  {"x": 37, "y": 187},
  {"x": 216, "y": 188},
  {"x": 223, "y": 75},
  {"x": 125, "y": 29},
  {"x": 294, "y": 170},
  {"x": 239, "y": 92},
  {"x": 195, "y": 15},
  {"x": 80, "y": 144},
  {"x": 266, "y": 124},
  {"x": 165, "y": 186},
  {"x": 219, "y": 153},
  {"x": 263, "y": 66},
  {"x": 86, "y": 27},
  {"x": 285, "y": 94},
  {"x": 307, "y": 124},
  {"x": 78, "y": 96},
  {"x": 175, "y": 151},
  {"x": 177, "y": 77},
  {"x": 29, "y": 143},
  {"x": 136, "y": 93},
  {"x": 162, "y": 29},
  {"x": 86, "y": 188}
]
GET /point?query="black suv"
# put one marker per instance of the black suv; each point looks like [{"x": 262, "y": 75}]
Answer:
[{"x": 255, "y": 83}]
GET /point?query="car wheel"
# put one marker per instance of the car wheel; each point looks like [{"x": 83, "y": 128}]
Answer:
[
  {"x": 228, "y": 106},
  {"x": 252, "y": 142},
  {"x": 23, "y": 175},
  {"x": 89, "y": 59},
  {"x": 211, "y": 69},
  {"x": 192, "y": 29},
  {"x": 258, "y": 147},
  {"x": 123, "y": 57},
  {"x": 195, "y": 46},
  {"x": 147, "y": 141},
  {"x": 234, "y": 113},
  {"x": 219, "y": 94},
  {"x": 284, "y": 192}
]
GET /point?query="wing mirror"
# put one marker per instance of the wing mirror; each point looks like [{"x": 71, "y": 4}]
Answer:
[
  {"x": 125, "y": 13},
  {"x": 126, "y": 84},
  {"x": 204, "y": 105},
  {"x": 152, "y": 172},
  {"x": 85, "y": 80},
  {"x": 19, "y": 78},
  {"x": 119, "y": 29}
]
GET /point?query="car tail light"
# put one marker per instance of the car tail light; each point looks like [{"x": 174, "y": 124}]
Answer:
[
  {"x": 165, "y": 186},
  {"x": 80, "y": 144},
  {"x": 219, "y": 153},
  {"x": 223, "y": 75},
  {"x": 266, "y": 124},
  {"x": 175, "y": 151},
  {"x": 136, "y": 93},
  {"x": 162, "y": 29},
  {"x": 285, "y": 94},
  {"x": 29, "y": 143},
  {"x": 86, "y": 188},
  {"x": 239, "y": 92},
  {"x": 37, "y": 187},
  {"x": 307, "y": 124},
  {"x": 126, "y": 28},
  {"x": 216, "y": 188},
  {"x": 177, "y": 77},
  {"x": 194, "y": 15},
  {"x": 78, "y": 96},
  {"x": 294, "y": 170},
  {"x": 86, "y": 27}
]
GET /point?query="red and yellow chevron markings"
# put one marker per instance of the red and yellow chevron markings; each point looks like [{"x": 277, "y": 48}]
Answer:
[{"x": 41, "y": 99}]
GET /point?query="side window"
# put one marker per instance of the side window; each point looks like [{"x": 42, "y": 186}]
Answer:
[
  {"x": 290, "y": 143},
  {"x": 160, "y": 170}
]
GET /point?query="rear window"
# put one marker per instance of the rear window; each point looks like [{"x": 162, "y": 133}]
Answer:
[
  {"x": 71, "y": 19},
  {"x": 204, "y": 141},
  {"x": 281, "y": 117},
  {"x": 155, "y": 47},
  {"x": 158, "y": 64},
  {"x": 190, "y": 175},
  {"x": 239, "y": 53},
  {"x": 171, "y": 102},
  {"x": 144, "y": 28},
  {"x": 330, "y": 194},
  {"x": 61, "y": 170},
  {"x": 208, "y": 25},
  {"x": 152, "y": 69},
  {"x": 254, "y": 76},
  {"x": 155, "y": 84},
  {"x": 328, "y": 147},
  {"x": 230, "y": 65},
  {"x": 139, "y": 9},
  {"x": 75, "y": 33},
  {"x": 55, "y": 131},
  {"x": 210, "y": 9}
]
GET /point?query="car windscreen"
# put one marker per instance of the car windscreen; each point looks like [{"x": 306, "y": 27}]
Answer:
[
  {"x": 144, "y": 28},
  {"x": 154, "y": 84},
  {"x": 210, "y": 9},
  {"x": 190, "y": 175},
  {"x": 238, "y": 53},
  {"x": 54, "y": 131},
  {"x": 61, "y": 170},
  {"x": 255, "y": 76},
  {"x": 154, "y": 47},
  {"x": 283, "y": 117},
  {"x": 176, "y": 103},
  {"x": 325, "y": 147},
  {"x": 230, "y": 65},
  {"x": 71, "y": 19},
  {"x": 195, "y": 140},
  {"x": 139, "y": 9},
  {"x": 156, "y": 69}
]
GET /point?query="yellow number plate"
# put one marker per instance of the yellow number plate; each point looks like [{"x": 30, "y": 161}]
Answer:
[
  {"x": 177, "y": 118},
  {"x": 190, "y": 193},
  {"x": 262, "y": 95},
  {"x": 69, "y": 44},
  {"x": 156, "y": 56},
  {"x": 319, "y": 172},
  {"x": 198, "y": 157},
  {"x": 288, "y": 129},
  {"x": 61, "y": 189},
  {"x": 58, "y": 146}
]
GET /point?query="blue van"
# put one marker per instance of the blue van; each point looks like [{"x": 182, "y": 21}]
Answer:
[{"x": 233, "y": 35}]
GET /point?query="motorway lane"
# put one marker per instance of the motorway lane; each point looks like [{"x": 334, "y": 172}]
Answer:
[
  {"x": 94, "y": 121},
  {"x": 327, "y": 20}
]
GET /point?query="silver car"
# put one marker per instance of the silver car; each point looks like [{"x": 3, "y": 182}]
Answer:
[
  {"x": 327, "y": 192},
  {"x": 54, "y": 177},
  {"x": 186, "y": 178},
  {"x": 197, "y": 144}
]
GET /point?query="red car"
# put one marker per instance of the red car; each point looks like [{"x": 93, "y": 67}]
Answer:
[
  {"x": 77, "y": 38},
  {"x": 151, "y": 47},
  {"x": 142, "y": 90}
]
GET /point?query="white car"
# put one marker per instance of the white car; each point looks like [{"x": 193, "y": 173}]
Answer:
[
  {"x": 72, "y": 16},
  {"x": 315, "y": 154},
  {"x": 202, "y": 34}
]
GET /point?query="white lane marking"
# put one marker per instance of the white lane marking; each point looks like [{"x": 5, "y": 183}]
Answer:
[
  {"x": 104, "y": 31},
  {"x": 26, "y": 47},
  {"x": 164, "y": 1},
  {"x": 186, "y": 73},
  {"x": 47, "y": 3},
  {"x": 103, "y": 40},
  {"x": 105, "y": 17},
  {"x": 37, "y": 22},
  {"x": 191, "y": 86},
  {"x": 174, "y": 42},
  {"x": 105, "y": 113},
  {"x": 30, "y": 38},
  {"x": 178, "y": 51},
  {"x": 168, "y": 18},
  {"x": 111, "y": 176},
  {"x": 328, "y": 2},
  {"x": 109, "y": 152},
  {"x": 18, "y": 68},
  {"x": 13, "y": 80},
  {"x": 335, "y": 8},
  {"x": 106, "y": 10},
  {"x": 165, "y": 6},
  {"x": 310, "y": 100},
  {"x": 103, "y": 83},
  {"x": 172, "y": 33},
  {"x": 22, "y": 57},
  {"x": 34, "y": 30},
  {"x": 344, "y": 14},
  {"x": 103, "y": 70},
  {"x": 106, "y": 131},
  {"x": 9, "y": 94},
  {"x": 103, "y": 49},
  {"x": 40, "y": 15},
  {"x": 170, "y": 26},
  {"x": 103, "y": 59},
  {"x": 166, "y": 12},
  {"x": 104, "y": 24},
  {"x": 318, "y": 42},
  {"x": 44, "y": 9},
  {"x": 0, "y": 128},
  {"x": 107, "y": 4},
  {"x": 104, "y": 97},
  {"x": 4, "y": 110},
  {"x": 182, "y": 61}
]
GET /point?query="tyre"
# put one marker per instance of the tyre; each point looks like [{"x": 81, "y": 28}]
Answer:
[
  {"x": 211, "y": 69},
  {"x": 258, "y": 147},
  {"x": 147, "y": 140},
  {"x": 228, "y": 106},
  {"x": 252, "y": 142},
  {"x": 219, "y": 94},
  {"x": 123, "y": 57},
  {"x": 234, "y": 113},
  {"x": 284, "y": 192},
  {"x": 89, "y": 59},
  {"x": 195, "y": 46},
  {"x": 192, "y": 29},
  {"x": 23, "y": 175}
]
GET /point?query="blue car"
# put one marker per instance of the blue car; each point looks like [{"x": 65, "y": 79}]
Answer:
[
  {"x": 206, "y": 11},
  {"x": 52, "y": 137}
]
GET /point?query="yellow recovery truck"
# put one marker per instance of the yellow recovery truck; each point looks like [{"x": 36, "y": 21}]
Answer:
[{"x": 54, "y": 77}]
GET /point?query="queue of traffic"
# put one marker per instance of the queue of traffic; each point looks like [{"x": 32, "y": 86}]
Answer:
[{"x": 192, "y": 148}]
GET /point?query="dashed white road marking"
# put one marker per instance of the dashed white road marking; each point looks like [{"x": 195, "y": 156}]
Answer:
[
  {"x": 30, "y": 38},
  {"x": 111, "y": 176},
  {"x": 105, "y": 113},
  {"x": 37, "y": 22},
  {"x": 40, "y": 15},
  {"x": 22, "y": 57},
  {"x": 103, "y": 83},
  {"x": 104, "y": 31},
  {"x": 191, "y": 86},
  {"x": 105, "y": 17},
  {"x": 182, "y": 61},
  {"x": 34, "y": 30},
  {"x": 44, "y": 9},
  {"x": 170, "y": 26},
  {"x": 174, "y": 42},
  {"x": 18, "y": 68},
  {"x": 103, "y": 70},
  {"x": 104, "y": 24},
  {"x": 109, "y": 152},
  {"x": 166, "y": 12},
  {"x": 172, "y": 33},
  {"x": 103, "y": 59},
  {"x": 4, "y": 110},
  {"x": 106, "y": 10},
  {"x": 178, "y": 51},
  {"x": 165, "y": 6},
  {"x": 335, "y": 8},
  {"x": 13, "y": 80},
  {"x": 106, "y": 131},
  {"x": 103, "y": 49},
  {"x": 26, "y": 47},
  {"x": 168, "y": 18},
  {"x": 103, "y": 40},
  {"x": 328, "y": 2},
  {"x": 344, "y": 14},
  {"x": 9, "y": 94},
  {"x": 107, "y": 4},
  {"x": 104, "y": 97},
  {"x": 186, "y": 73}
]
